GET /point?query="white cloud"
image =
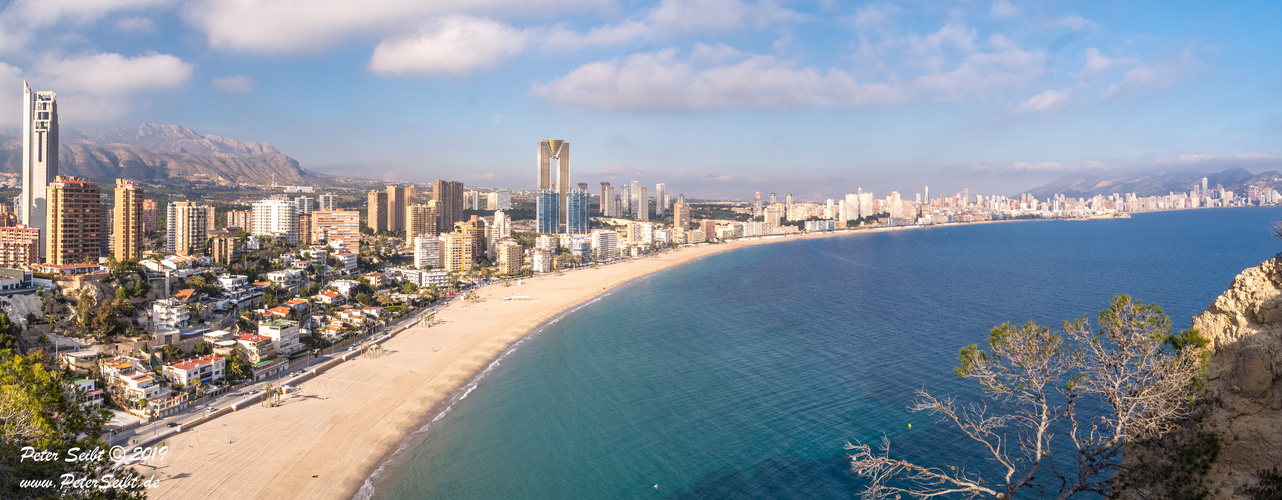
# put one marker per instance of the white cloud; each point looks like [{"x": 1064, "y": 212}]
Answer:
[
  {"x": 112, "y": 74},
  {"x": 1149, "y": 76},
  {"x": 96, "y": 87},
  {"x": 20, "y": 19},
  {"x": 673, "y": 18},
  {"x": 135, "y": 25},
  {"x": 1219, "y": 162},
  {"x": 1050, "y": 99},
  {"x": 299, "y": 26},
  {"x": 1097, "y": 63},
  {"x": 1004, "y": 9},
  {"x": 714, "y": 78},
  {"x": 455, "y": 45},
  {"x": 234, "y": 83},
  {"x": 1054, "y": 166}
]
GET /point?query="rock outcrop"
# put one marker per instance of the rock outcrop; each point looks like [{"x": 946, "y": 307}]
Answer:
[{"x": 1244, "y": 326}]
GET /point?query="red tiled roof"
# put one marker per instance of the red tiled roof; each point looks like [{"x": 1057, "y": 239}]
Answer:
[
  {"x": 193, "y": 363},
  {"x": 251, "y": 337}
]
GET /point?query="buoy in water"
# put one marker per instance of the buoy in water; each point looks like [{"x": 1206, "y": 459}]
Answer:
[
  {"x": 656, "y": 486},
  {"x": 910, "y": 426}
]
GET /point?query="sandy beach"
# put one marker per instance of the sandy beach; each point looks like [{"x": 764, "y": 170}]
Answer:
[{"x": 324, "y": 441}]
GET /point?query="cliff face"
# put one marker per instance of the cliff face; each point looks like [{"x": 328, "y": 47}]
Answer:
[
  {"x": 1244, "y": 326},
  {"x": 166, "y": 154}
]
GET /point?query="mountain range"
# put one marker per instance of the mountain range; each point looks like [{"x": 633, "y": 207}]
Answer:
[
  {"x": 168, "y": 155},
  {"x": 1235, "y": 179}
]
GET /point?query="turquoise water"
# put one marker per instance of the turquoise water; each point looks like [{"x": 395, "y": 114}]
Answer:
[{"x": 743, "y": 374}]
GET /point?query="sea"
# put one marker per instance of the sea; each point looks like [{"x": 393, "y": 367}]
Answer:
[{"x": 744, "y": 374}]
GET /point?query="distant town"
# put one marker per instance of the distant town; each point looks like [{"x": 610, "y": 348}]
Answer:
[{"x": 157, "y": 301}]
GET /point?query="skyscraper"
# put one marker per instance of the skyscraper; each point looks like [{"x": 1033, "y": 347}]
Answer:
[
  {"x": 643, "y": 204},
  {"x": 449, "y": 209},
  {"x": 376, "y": 218},
  {"x": 680, "y": 216},
  {"x": 326, "y": 202},
  {"x": 658, "y": 199},
  {"x": 634, "y": 204},
  {"x": 577, "y": 211},
  {"x": 335, "y": 226},
  {"x": 128, "y": 226},
  {"x": 396, "y": 208},
  {"x": 420, "y": 220},
  {"x": 276, "y": 218},
  {"x": 186, "y": 225},
  {"x": 546, "y": 211},
  {"x": 560, "y": 151},
  {"x": 625, "y": 200},
  {"x": 39, "y": 157},
  {"x": 75, "y": 223},
  {"x": 605, "y": 205},
  {"x": 150, "y": 216}
]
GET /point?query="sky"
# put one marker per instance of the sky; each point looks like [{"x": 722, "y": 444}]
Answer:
[{"x": 716, "y": 98}]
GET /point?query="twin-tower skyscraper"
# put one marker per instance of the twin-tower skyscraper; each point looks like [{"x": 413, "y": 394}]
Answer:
[{"x": 558, "y": 150}]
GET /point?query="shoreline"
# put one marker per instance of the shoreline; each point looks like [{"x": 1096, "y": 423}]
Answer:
[{"x": 347, "y": 426}]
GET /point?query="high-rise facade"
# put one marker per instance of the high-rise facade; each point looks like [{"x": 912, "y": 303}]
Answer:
[
  {"x": 680, "y": 216},
  {"x": 396, "y": 203},
  {"x": 427, "y": 252},
  {"x": 19, "y": 246},
  {"x": 609, "y": 207},
  {"x": 186, "y": 226},
  {"x": 39, "y": 157},
  {"x": 243, "y": 219},
  {"x": 511, "y": 257},
  {"x": 546, "y": 211},
  {"x": 560, "y": 151},
  {"x": 643, "y": 204},
  {"x": 501, "y": 228},
  {"x": 376, "y": 218},
  {"x": 658, "y": 199},
  {"x": 150, "y": 216},
  {"x": 337, "y": 226},
  {"x": 449, "y": 207},
  {"x": 75, "y": 221},
  {"x": 605, "y": 204},
  {"x": 420, "y": 220},
  {"x": 456, "y": 252},
  {"x": 499, "y": 200},
  {"x": 305, "y": 204},
  {"x": 326, "y": 202},
  {"x": 276, "y": 218},
  {"x": 577, "y": 211},
  {"x": 128, "y": 226}
]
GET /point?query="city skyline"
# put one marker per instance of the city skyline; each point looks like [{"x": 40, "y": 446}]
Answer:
[{"x": 720, "y": 98}]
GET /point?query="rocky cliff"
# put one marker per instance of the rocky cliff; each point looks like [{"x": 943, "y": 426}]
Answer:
[
  {"x": 166, "y": 154},
  {"x": 1244, "y": 326}
]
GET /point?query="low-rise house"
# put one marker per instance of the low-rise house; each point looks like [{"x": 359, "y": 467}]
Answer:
[
  {"x": 92, "y": 394},
  {"x": 170, "y": 314},
  {"x": 289, "y": 279},
  {"x": 299, "y": 305},
  {"x": 284, "y": 334},
  {"x": 346, "y": 287},
  {"x": 202, "y": 370},
  {"x": 347, "y": 262},
  {"x": 330, "y": 297},
  {"x": 376, "y": 280},
  {"x": 257, "y": 347},
  {"x": 68, "y": 269},
  {"x": 131, "y": 379},
  {"x": 278, "y": 312},
  {"x": 352, "y": 316},
  {"x": 376, "y": 312}
]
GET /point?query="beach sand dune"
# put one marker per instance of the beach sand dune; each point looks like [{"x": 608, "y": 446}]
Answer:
[{"x": 325, "y": 440}]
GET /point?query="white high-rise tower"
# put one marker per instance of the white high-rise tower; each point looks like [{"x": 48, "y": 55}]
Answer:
[
  {"x": 560, "y": 151},
  {"x": 39, "y": 157}
]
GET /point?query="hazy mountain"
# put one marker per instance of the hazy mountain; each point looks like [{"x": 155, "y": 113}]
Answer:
[
  {"x": 165, "y": 154},
  {"x": 1234, "y": 179}
]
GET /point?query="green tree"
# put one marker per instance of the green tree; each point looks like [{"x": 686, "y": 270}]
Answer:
[
  {"x": 172, "y": 353},
  {"x": 41, "y": 409},
  {"x": 409, "y": 288},
  {"x": 8, "y": 333},
  {"x": 202, "y": 348},
  {"x": 363, "y": 298},
  {"x": 238, "y": 367},
  {"x": 1042, "y": 384}
]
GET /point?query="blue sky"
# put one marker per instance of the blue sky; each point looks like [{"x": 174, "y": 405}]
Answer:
[{"x": 713, "y": 97}]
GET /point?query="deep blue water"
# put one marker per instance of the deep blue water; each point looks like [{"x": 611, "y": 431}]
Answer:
[{"x": 742, "y": 375}]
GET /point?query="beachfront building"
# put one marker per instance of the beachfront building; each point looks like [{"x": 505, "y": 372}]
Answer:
[
  {"x": 511, "y": 257},
  {"x": 200, "y": 370},
  {"x": 456, "y": 252},
  {"x": 284, "y": 335},
  {"x": 427, "y": 252},
  {"x": 605, "y": 243},
  {"x": 541, "y": 261},
  {"x": 577, "y": 212},
  {"x": 546, "y": 211},
  {"x": 257, "y": 347},
  {"x": 680, "y": 216}
]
